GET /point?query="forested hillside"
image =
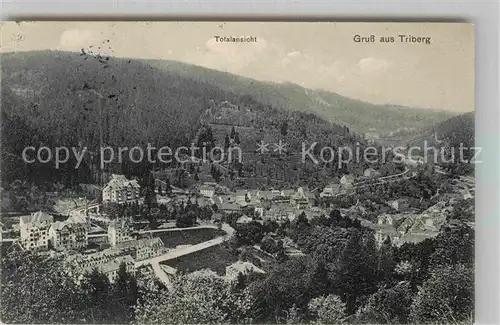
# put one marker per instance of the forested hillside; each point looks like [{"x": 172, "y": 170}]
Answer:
[
  {"x": 452, "y": 132},
  {"x": 355, "y": 114},
  {"x": 56, "y": 99},
  {"x": 449, "y": 136},
  {"x": 75, "y": 99},
  {"x": 68, "y": 99}
]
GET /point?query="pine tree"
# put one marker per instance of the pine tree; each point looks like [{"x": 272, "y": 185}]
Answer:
[
  {"x": 124, "y": 296},
  {"x": 227, "y": 142},
  {"x": 168, "y": 189},
  {"x": 284, "y": 128}
]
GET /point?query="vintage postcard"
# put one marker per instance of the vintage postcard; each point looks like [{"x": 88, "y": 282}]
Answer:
[{"x": 237, "y": 172}]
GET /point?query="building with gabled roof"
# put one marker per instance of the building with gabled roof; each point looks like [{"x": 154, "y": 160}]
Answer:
[
  {"x": 402, "y": 204},
  {"x": 207, "y": 190},
  {"x": 388, "y": 227},
  {"x": 305, "y": 192},
  {"x": 280, "y": 212},
  {"x": 121, "y": 190},
  {"x": 68, "y": 236},
  {"x": 162, "y": 187},
  {"x": 302, "y": 198},
  {"x": 402, "y": 228},
  {"x": 392, "y": 219},
  {"x": 119, "y": 231},
  {"x": 34, "y": 230},
  {"x": 330, "y": 190},
  {"x": 242, "y": 195},
  {"x": 38, "y": 217},
  {"x": 268, "y": 195},
  {"x": 244, "y": 219},
  {"x": 254, "y": 197},
  {"x": 107, "y": 262},
  {"x": 244, "y": 268},
  {"x": 228, "y": 207},
  {"x": 112, "y": 267}
]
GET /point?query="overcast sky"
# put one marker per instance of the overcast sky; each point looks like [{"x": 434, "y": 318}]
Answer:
[{"x": 314, "y": 55}]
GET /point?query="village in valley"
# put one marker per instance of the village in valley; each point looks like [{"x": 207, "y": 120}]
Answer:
[
  {"x": 100, "y": 231},
  {"x": 242, "y": 223},
  {"x": 152, "y": 189}
]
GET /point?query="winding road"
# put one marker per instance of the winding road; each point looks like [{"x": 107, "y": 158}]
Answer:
[{"x": 175, "y": 253}]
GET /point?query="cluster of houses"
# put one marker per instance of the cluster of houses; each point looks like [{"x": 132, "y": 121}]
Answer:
[
  {"x": 277, "y": 205},
  {"x": 124, "y": 249},
  {"x": 274, "y": 205},
  {"x": 108, "y": 261},
  {"x": 39, "y": 232},
  {"x": 267, "y": 204},
  {"x": 403, "y": 228}
]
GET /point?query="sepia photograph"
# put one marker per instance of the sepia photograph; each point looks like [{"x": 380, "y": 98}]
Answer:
[{"x": 237, "y": 172}]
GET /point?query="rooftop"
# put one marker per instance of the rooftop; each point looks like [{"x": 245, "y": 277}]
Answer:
[
  {"x": 38, "y": 217},
  {"x": 207, "y": 187},
  {"x": 268, "y": 194},
  {"x": 288, "y": 193},
  {"x": 348, "y": 177},
  {"x": 69, "y": 226},
  {"x": 114, "y": 264},
  {"x": 228, "y": 206},
  {"x": 140, "y": 243},
  {"x": 119, "y": 223},
  {"x": 244, "y": 267},
  {"x": 120, "y": 181},
  {"x": 76, "y": 219},
  {"x": 332, "y": 186}
]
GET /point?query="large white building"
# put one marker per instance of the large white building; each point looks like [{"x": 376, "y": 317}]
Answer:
[
  {"x": 119, "y": 231},
  {"x": 68, "y": 236},
  {"x": 121, "y": 190},
  {"x": 35, "y": 230}
]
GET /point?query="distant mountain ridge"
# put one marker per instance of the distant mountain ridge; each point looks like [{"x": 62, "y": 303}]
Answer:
[
  {"x": 358, "y": 115},
  {"x": 58, "y": 98}
]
